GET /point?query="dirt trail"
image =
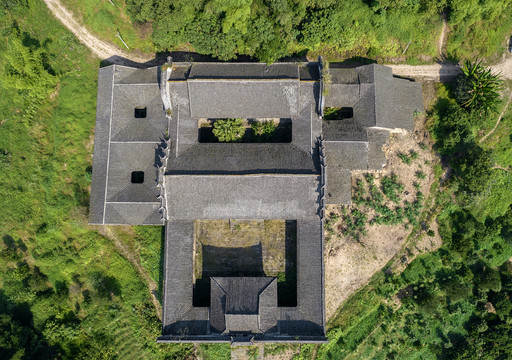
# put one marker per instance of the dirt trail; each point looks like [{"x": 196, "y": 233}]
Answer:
[
  {"x": 442, "y": 38},
  {"x": 135, "y": 261},
  {"x": 499, "y": 119},
  {"x": 99, "y": 47}
]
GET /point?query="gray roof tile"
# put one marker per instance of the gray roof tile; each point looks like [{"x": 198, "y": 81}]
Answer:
[
  {"x": 236, "y": 158},
  {"x": 242, "y": 196},
  {"x": 244, "y": 71},
  {"x": 244, "y": 99},
  {"x": 244, "y": 181}
]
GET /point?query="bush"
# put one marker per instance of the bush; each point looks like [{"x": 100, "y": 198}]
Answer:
[
  {"x": 228, "y": 130},
  {"x": 391, "y": 187},
  {"x": 263, "y": 131},
  {"x": 405, "y": 159}
]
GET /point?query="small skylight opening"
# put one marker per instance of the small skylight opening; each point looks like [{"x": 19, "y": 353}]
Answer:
[
  {"x": 137, "y": 177},
  {"x": 140, "y": 112}
]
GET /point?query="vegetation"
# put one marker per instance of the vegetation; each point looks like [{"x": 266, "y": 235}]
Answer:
[
  {"x": 477, "y": 88},
  {"x": 107, "y": 19},
  {"x": 453, "y": 303},
  {"x": 386, "y": 203},
  {"x": 263, "y": 130},
  {"x": 64, "y": 290},
  {"x": 338, "y": 113},
  {"x": 66, "y": 293},
  {"x": 228, "y": 130},
  {"x": 269, "y": 30}
]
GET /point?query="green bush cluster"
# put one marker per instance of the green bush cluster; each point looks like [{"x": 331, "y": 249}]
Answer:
[
  {"x": 263, "y": 130},
  {"x": 355, "y": 224},
  {"x": 408, "y": 158},
  {"x": 454, "y": 303},
  {"x": 269, "y": 30},
  {"x": 392, "y": 189}
]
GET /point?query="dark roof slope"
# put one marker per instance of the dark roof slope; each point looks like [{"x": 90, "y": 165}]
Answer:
[
  {"x": 236, "y": 303},
  {"x": 243, "y": 98},
  {"x": 271, "y": 196},
  {"x": 396, "y": 100},
  {"x": 124, "y": 144},
  {"x": 242, "y": 159},
  {"x": 307, "y": 318},
  {"x": 244, "y": 71},
  {"x": 179, "y": 316},
  {"x": 128, "y": 75}
]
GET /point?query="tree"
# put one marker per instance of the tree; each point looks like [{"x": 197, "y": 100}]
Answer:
[
  {"x": 477, "y": 88},
  {"x": 228, "y": 130}
]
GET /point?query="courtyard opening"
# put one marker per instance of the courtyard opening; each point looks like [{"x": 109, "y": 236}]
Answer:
[
  {"x": 271, "y": 130},
  {"x": 226, "y": 248},
  {"x": 338, "y": 113}
]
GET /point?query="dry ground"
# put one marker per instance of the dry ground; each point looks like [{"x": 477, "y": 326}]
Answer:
[
  {"x": 223, "y": 246},
  {"x": 349, "y": 264}
]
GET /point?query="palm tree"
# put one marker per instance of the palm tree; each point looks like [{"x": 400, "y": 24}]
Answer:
[{"x": 477, "y": 88}]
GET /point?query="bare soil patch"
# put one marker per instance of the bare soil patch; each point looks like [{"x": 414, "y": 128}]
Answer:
[{"x": 349, "y": 263}]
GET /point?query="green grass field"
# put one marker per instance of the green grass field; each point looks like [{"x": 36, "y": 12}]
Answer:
[{"x": 61, "y": 281}]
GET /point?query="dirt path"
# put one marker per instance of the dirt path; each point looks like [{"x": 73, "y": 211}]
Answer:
[
  {"x": 442, "y": 38},
  {"x": 135, "y": 261},
  {"x": 100, "y": 48},
  {"x": 499, "y": 119}
]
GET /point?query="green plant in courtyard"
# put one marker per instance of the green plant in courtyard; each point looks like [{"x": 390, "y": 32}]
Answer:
[
  {"x": 264, "y": 130},
  {"x": 228, "y": 130}
]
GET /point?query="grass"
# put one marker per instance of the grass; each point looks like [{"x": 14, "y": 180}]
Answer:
[
  {"x": 215, "y": 351},
  {"x": 500, "y": 142},
  {"x": 73, "y": 277},
  {"x": 482, "y": 38},
  {"x": 106, "y": 20}
]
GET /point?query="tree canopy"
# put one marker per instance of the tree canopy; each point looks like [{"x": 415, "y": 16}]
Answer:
[
  {"x": 477, "y": 88},
  {"x": 271, "y": 29}
]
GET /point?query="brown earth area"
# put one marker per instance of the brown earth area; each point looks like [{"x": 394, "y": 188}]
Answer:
[{"x": 349, "y": 264}]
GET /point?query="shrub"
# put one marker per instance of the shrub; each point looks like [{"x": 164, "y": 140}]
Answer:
[
  {"x": 391, "y": 187},
  {"x": 228, "y": 130},
  {"x": 421, "y": 175},
  {"x": 405, "y": 159},
  {"x": 263, "y": 130},
  {"x": 477, "y": 88}
]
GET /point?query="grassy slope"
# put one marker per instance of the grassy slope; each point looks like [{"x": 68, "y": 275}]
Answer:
[
  {"x": 45, "y": 190},
  {"x": 106, "y": 20},
  {"x": 482, "y": 38}
]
